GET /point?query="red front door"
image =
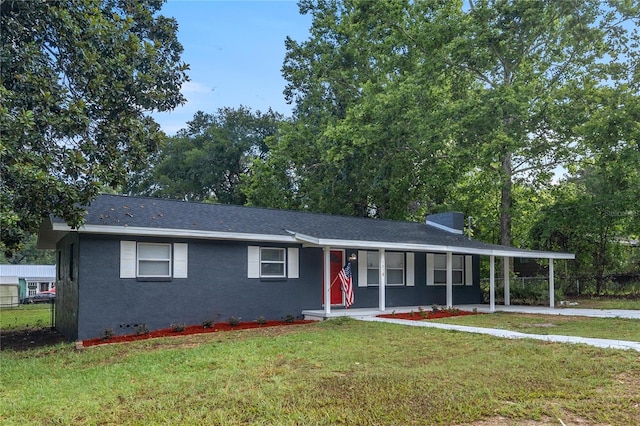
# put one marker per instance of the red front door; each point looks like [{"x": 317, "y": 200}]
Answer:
[{"x": 337, "y": 262}]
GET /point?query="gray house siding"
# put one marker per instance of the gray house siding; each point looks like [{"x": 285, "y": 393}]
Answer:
[{"x": 217, "y": 288}]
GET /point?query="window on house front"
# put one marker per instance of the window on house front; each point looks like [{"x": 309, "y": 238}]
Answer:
[
  {"x": 440, "y": 269},
  {"x": 395, "y": 268},
  {"x": 373, "y": 268},
  {"x": 154, "y": 260},
  {"x": 32, "y": 288},
  {"x": 272, "y": 262},
  {"x": 461, "y": 269},
  {"x": 394, "y": 263}
]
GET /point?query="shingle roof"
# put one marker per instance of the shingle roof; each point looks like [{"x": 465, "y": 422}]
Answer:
[{"x": 162, "y": 214}]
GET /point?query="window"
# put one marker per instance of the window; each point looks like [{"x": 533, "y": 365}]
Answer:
[
  {"x": 153, "y": 260},
  {"x": 394, "y": 263},
  {"x": 461, "y": 269},
  {"x": 32, "y": 288},
  {"x": 272, "y": 262},
  {"x": 395, "y": 268},
  {"x": 373, "y": 268},
  {"x": 440, "y": 269}
]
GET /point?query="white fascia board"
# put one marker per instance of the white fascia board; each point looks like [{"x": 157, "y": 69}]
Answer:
[
  {"x": 375, "y": 245},
  {"x": 444, "y": 227},
  {"x": 177, "y": 233}
]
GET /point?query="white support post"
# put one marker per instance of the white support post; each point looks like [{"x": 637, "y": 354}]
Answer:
[
  {"x": 382, "y": 280},
  {"x": 552, "y": 302},
  {"x": 492, "y": 283},
  {"x": 327, "y": 280},
  {"x": 507, "y": 290},
  {"x": 449, "y": 280}
]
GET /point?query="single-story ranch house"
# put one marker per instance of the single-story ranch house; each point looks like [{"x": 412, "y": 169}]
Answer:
[{"x": 159, "y": 262}]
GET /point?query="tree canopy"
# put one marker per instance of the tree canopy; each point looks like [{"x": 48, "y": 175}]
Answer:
[
  {"x": 208, "y": 160},
  {"x": 399, "y": 104},
  {"x": 78, "y": 81}
]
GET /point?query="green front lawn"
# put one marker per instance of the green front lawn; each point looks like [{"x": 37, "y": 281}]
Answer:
[
  {"x": 603, "y": 328},
  {"x": 25, "y": 316},
  {"x": 606, "y": 303},
  {"x": 335, "y": 372}
]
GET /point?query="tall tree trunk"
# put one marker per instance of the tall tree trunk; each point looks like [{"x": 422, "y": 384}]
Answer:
[
  {"x": 505, "y": 208},
  {"x": 506, "y": 201}
]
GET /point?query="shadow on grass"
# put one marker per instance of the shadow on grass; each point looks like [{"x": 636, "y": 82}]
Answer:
[{"x": 29, "y": 338}]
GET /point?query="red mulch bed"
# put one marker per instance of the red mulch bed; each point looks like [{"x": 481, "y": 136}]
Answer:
[
  {"x": 420, "y": 315},
  {"x": 191, "y": 329}
]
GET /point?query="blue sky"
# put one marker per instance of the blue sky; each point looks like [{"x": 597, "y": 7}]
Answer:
[{"x": 235, "y": 49}]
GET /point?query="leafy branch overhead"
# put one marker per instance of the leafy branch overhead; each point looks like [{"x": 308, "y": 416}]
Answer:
[{"x": 79, "y": 78}]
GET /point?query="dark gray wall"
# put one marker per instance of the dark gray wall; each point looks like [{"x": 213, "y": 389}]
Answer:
[
  {"x": 420, "y": 294},
  {"x": 67, "y": 285},
  {"x": 216, "y": 289}
]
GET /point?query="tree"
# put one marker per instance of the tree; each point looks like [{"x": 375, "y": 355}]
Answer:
[
  {"x": 78, "y": 79},
  {"x": 480, "y": 87},
  {"x": 590, "y": 216},
  {"x": 523, "y": 57},
  {"x": 207, "y": 161},
  {"x": 364, "y": 134},
  {"x": 30, "y": 254}
]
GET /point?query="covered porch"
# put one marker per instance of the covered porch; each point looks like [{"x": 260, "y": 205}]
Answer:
[{"x": 474, "y": 248}]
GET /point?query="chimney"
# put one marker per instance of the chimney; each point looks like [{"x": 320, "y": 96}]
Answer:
[{"x": 451, "y": 222}]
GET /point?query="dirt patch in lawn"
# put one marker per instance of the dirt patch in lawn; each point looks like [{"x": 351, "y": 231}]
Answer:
[
  {"x": 427, "y": 315},
  {"x": 542, "y": 325},
  {"x": 32, "y": 338},
  {"x": 544, "y": 421}
]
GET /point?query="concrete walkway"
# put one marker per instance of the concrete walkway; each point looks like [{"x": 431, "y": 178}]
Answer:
[
  {"x": 600, "y": 343},
  {"x": 597, "y": 313}
]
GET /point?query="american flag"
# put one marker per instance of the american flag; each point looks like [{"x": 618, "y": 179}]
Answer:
[{"x": 347, "y": 286}]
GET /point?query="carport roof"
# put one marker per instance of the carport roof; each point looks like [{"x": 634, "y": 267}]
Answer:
[{"x": 140, "y": 216}]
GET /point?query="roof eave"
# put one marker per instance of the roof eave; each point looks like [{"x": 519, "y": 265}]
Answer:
[
  {"x": 58, "y": 229},
  {"x": 174, "y": 233},
  {"x": 328, "y": 242}
]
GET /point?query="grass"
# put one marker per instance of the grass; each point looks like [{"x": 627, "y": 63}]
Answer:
[
  {"x": 25, "y": 316},
  {"x": 607, "y": 303},
  {"x": 602, "y": 328},
  {"x": 335, "y": 372}
]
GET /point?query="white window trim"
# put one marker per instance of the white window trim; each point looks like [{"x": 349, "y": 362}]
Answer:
[
  {"x": 168, "y": 260},
  {"x": 467, "y": 270},
  {"x": 408, "y": 276},
  {"x": 282, "y": 262},
  {"x": 403, "y": 269},
  {"x": 291, "y": 262},
  {"x": 130, "y": 260}
]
